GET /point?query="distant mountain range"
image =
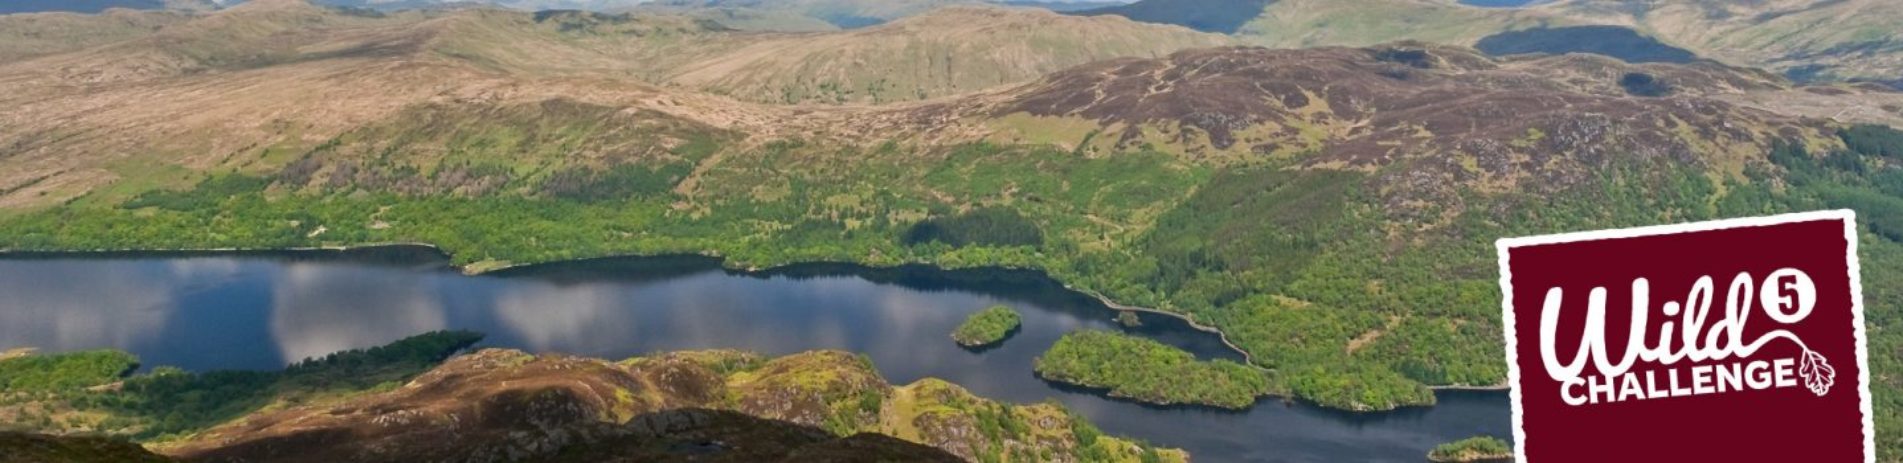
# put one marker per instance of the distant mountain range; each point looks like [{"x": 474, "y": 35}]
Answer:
[
  {"x": 83, "y": 6},
  {"x": 95, "y": 6},
  {"x": 1804, "y": 39},
  {"x": 1809, "y": 40},
  {"x": 846, "y": 13}
]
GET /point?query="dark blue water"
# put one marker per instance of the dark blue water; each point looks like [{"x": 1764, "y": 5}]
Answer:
[{"x": 262, "y": 311}]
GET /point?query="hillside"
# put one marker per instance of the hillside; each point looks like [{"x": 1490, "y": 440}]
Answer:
[
  {"x": 77, "y": 6},
  {"x": 25, "y": 36},
  {"x": 498, "y": 404},
  {"x": 945, "y": 52},
  {"x": 317, "y": 60}
]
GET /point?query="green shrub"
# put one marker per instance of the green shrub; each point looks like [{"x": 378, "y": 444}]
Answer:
[
  {"x": 1149, "y": 371},
  {"x": 988, "y": 326},
  {"x": 1477, "y": 448},
  {"x": 62, "y": 372}
]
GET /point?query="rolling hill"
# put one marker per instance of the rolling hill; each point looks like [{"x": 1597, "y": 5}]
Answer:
[
  {"x": 77, "y": 6},
  {"x": 315, "y": 59},
  {"x": 1805, "y": 39},
  {"x": 944, "y": 52},
  {"x": 25, "y": 36}
]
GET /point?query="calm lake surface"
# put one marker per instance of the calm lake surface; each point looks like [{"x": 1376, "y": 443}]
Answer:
[{"x": 265, "y": 310}]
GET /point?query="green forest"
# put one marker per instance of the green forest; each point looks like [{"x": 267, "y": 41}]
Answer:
[
  {"x": 67, "y": 371},
  {"x": 1472, "y": 449},
  {"x": 1148, "y": 371},
  {"x": 987, "y": 327}
]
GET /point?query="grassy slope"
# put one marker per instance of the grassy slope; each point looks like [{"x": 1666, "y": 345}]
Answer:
[
  {"x": 944, "y": 52},
  {"x": 935, "y": 54},
  {"x": 25, "y": 36}
]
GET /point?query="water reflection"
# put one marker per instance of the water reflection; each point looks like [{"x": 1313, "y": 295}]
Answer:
[
  {"x": 257, "y": 311},
  {"x": 317, "y": 309},
  {"x": 38, "y": 307}
]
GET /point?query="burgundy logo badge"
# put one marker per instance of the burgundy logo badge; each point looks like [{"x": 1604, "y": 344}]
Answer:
[{"x": 1733, "y": 340}]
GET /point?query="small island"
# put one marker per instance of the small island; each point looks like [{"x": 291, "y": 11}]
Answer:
[
  {"x": 988, "y": 327},
  {"x": 1472, "y": 449},
  {"x": 1148, "y": 371}
]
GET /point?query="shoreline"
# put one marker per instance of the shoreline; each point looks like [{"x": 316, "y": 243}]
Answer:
[
  {"x": 1459, "y": 387},
  {"x": 4, "y": 253},
  {"x": 477, "y": 269},
  {"x": 1247, "y": 358}
]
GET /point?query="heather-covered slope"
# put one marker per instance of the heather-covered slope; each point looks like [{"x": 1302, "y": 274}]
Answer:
[{"x": 404, "y": 402}]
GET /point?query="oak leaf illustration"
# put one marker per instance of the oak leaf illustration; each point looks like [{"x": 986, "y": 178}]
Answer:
[{"x": 1817, "y": 374}]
